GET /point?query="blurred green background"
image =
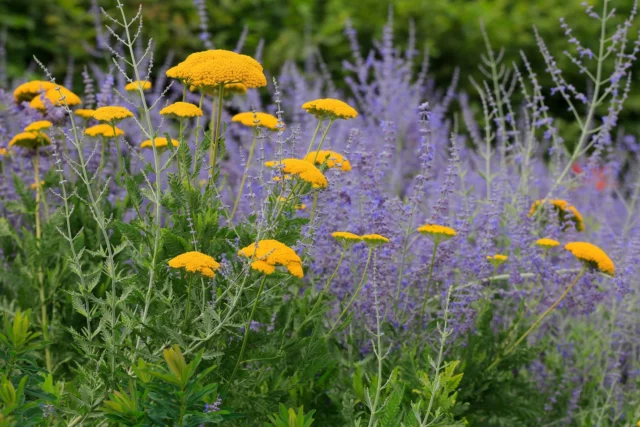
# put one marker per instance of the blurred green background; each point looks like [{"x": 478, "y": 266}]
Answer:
[{"x": 56, "y": 30}]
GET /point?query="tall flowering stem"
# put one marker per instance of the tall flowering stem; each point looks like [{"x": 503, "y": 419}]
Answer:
[
  {"x": 244, "y": 175},
  {"x": 355, "y": 294},
  {"x": 313, "y": 138},
  {"x": 426, "y": 292},
  {"x": 539, "y": 319},
  {"x": 215, "y": 134}
]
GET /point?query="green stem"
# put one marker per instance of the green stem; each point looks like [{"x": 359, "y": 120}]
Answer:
[
  {"x": 426, "y": 293},
  {"x": 214, "y": 149},
  {"x": 539, "y": 319},
  {"x": 324, "y": 135},
  {"x": 247, "y": 328},
  {"x": 186, "y": 317},
  {"x": 244, "y": 175},
  {"x": 355, "y": 294},
  {"x": 313, "y": 138},
  {"x": 313, "y": 206}
]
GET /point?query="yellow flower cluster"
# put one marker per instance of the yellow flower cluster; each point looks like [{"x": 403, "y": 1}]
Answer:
[
  {"x": 212, "y": 68},
  {"x": 332, "y": 159},
  {"x": 134, "y": 86},
  {"x": 112, "y": 114},
  {"x": 161, "y": 142},
  {"x": 437, "y": 232},
  {"x": 3, "y": 152},
  {"x": 497, "y": 259},
  {"x": 54, "y": 97},
  {"x": 268, "y": 254},
  {"x": 257, "y": 119},
  {"x": 547, "y": 243},
  {"x": 181, "y": 110},
  {"x": 345, "y": 237},
  {"x": 563, "y": 208},
  {"x": 103, "y": 130},
  {"x": 592, "y": 256},
  {"x": 374, "y": 239},
  {"x": 229, "y": 89},
  {"x": 303, "y": 170},
  {"x": 195, "y": 262},
  {"x": 39, "y": 125},
  {"x": 299, "y": 207},
  {"x": 29, "y": 140},
  {"x": 331, "y": 108},
  {"x": 27, "y": 91},
  {"x": 85, "y": 113}
]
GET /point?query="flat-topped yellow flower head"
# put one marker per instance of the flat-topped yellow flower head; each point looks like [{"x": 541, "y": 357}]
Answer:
[
  {"x": 181, "y": 110},
  {"x": 547, "y": 243},
  {"x": 161, "y": 142},
  {"x": 257, "y": 119},
  {"x": 329, "y": 158},
  {"x": 55, "y": 98},
  {"x": 497, "y": 259},
  {"x": 229, "y": 89},
  {"x": 138, "y": 84},
  {"x": 303, "y": 170},
  {"x": 331, "y": 108},
  {"x": 112, "y": 114},
  {"x": 39, "y": 125},
  {"x": 27, "y": 91},
  {"x": 346, "y": 238},
  {"x": 438, "y": 233},
  {"x": 593, "y": 256},
  {"x": 374, "y": 240},
  {"x": 267, "y": 254},
  {"x": 195, "y": 262},
  {"x": 565, "y": 212},
  {"x": 103, "y": 130},
  {"x": 30, "y": 140},
  {"x": 212, "y": 68},
  {"x": 85, "y": 113}
]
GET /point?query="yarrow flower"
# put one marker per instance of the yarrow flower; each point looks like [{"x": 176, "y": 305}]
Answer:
[
  {"x": 229, "y": 89},
  {"x": 112, "y": 114},
  {"x": 331, "y": 108},
  {"x": 564, "y": 209},
  {"x": 29, "y": 140},
  {"x": 213, "y": 68},
  {"x": 195, "y": 262},
  {"x": 593, "y": 256},
  {"x": 267, "y": 254},
  {"x": 4, "y": 152},
  {"x": 135, "y": 85},
  {"x": 497, "y": 259},
  {"x": 103, "y": 130},
  {"x": 257, "y": 119},
  {"x": 27, "y": 91},
  {"x": 181, "y": 110},
  {"x": 54, "y": 97},
  {"x": 161, "y": 142},
  {"x": 346, "y": 238},
  {"x": 438, "y": 233},
  {"x": 374, "y": 239},
  {"x": 85, "y": 113},
  {"x": 302, "y": 169},
  {"x": 547, "y": 243},
  {"x": 39, "y": 125},
  {"x": 330, "y": 158}
]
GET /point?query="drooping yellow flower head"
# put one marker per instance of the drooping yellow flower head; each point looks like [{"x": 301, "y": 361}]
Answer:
[
  {"x": 374, "y": 239},
  {"x": 54, "y": 97},
  {"x": 258, "y": 119},
  {"x": 438, "y": 233},
  {"x": 134, "y": 86},
  {"x": 346, "y": 238},
  {"x": 564, "y": 210},
  {"x": 161, "y": 142},
  {"x": 593, "y": 256},
  {"x": 195, "y": 262},
  {"x": 213, "y": 68},
  {"x": 497, "y": 259},
  {"x": 112, "y": 114},
  {"x": 27, "y": 91},
  {"x": 181, "y": 110},
  {"x": 30, "y": 140},
  {"x": 103, "y": 130},
  {"x": 303, "y": 170},
  {"x": 331, "y": 108},
  {"x": 332, "y": 159},
  {"x": 268, "y": 254},
  {"x": 39, "y": 125},
  {"x": 85, "y": 113},
  {"x": 547, "y": 243}
]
